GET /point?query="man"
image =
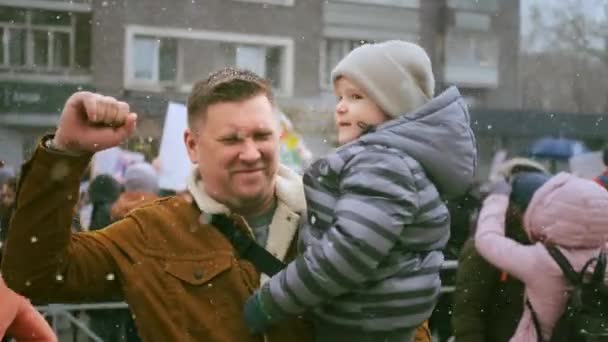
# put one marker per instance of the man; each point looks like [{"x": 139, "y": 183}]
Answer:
[
  {"x": 7, "y": 204},
  {"x": 181, "y": 277}
]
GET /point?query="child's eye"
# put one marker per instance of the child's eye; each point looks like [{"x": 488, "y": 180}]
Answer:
[
  {"x": 356, "y": 97},
  {"x": 339, "y": 98}
]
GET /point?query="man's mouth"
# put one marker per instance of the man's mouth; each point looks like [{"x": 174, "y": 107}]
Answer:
[{"x": 249, "y": 170}]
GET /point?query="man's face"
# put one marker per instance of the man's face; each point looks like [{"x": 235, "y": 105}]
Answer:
[
  {"x": 236, "y": 149},
  {"x": 7, "y": 195}
]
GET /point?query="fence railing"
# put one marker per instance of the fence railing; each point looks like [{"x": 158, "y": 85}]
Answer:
[{"x": 57, "y": 311}]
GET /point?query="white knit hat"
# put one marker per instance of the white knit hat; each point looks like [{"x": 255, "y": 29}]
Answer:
[
  {"x": 396, "y": 75},
  {"x": 141, "y": 177}
]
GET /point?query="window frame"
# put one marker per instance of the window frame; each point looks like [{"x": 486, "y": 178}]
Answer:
[
  {"x": 155, "y": 80},
  {"x": 131, "y": 83},
  {"x": 288, "y": 3},
  {"x": 346, "y": 46},
  {"x": 72, "y": 6},
  {"x": 415, "y": 4},
  {"x": 30, "y": 29}
]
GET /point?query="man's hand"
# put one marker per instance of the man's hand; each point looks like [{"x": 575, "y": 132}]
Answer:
[
  {"x": 20, "y": 320},
  {"x": 93, "y": 122}
]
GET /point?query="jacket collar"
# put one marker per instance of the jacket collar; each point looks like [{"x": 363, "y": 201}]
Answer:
[{"x": 291, "y": 204}]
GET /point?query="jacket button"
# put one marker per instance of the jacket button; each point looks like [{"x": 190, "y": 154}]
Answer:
[{"x": 198, "y": 274}]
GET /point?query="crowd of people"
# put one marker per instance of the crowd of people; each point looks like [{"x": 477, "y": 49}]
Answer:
[{"x": 350, "y": 250}]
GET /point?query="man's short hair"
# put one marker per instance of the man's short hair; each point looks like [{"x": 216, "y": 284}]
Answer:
[
  {"x": 225, "y": 85},
  {"x": 605, "y": 155}
]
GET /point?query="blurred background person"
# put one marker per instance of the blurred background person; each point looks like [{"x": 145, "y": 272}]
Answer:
[
  {"x": 487, "y": 303},
  {"x": 566, "y": 212}
]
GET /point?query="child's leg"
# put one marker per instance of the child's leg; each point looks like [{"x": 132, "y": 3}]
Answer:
[{"x": 325, "y": 332}]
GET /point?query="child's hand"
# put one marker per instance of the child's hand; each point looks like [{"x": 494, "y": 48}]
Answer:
[{"x": 256, "y": 319}]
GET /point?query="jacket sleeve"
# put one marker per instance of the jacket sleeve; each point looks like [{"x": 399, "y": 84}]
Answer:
[
  {"x": 378, "y": 200},
  {"x": 475, "y": 285},
  {"x": 43, "y": 259},
  {"x": 501, "y": 251}
]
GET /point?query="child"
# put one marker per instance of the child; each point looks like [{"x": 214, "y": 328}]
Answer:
[
  {"x": 568, "y": 212},
  {"x": 376, "y": 222}
]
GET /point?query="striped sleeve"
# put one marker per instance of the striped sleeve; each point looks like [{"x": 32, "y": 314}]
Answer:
[{"x": 378, "y": 199}]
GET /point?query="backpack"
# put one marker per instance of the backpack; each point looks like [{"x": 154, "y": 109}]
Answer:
[{"x": 586, "y": 315}]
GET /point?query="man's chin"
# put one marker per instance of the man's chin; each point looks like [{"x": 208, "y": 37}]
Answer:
[{"x": 251, "y": 196}]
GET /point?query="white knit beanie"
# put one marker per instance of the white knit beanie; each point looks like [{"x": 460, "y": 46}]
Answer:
[
  {"x": 141, "y": 177},
  {"x": 396, "y": 75}
]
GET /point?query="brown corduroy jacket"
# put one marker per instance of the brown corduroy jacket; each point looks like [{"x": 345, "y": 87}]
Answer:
[{"x": 180, "y": 276}]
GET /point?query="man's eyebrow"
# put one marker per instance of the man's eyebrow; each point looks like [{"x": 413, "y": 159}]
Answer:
[{"x": 227, "y": 135}]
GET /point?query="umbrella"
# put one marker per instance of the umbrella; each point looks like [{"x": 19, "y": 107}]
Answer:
[{"x": 557, "y": 148}]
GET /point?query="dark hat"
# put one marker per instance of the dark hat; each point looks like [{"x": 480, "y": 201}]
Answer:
[
  {"x": 104, "y": 189},
  {"x": 524, "y": 185}
]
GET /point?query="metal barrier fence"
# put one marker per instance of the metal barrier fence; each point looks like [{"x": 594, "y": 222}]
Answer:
[{"x": 56, "y": 311}]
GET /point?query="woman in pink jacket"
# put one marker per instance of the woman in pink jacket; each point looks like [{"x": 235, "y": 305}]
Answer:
[
  {"x": 20, "y": 320},
  {"x": 566, "y": 211}
]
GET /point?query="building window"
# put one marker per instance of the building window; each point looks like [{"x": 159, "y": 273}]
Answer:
[
  {"x": 332, "y": 51},
  {"x": 161, "y": 58},
  {"x": 39, "y": 39},
  {"x": 471, "y": 59},
  {"x": 469, "y": 48},
  {"x": 155, "y": 59},
  {"x": 263, "y": 60}
]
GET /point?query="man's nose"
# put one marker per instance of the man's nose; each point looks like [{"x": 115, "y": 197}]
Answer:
[{"x": 250, "y": 151}]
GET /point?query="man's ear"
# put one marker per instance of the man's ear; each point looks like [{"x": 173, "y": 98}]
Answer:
[{"x": 191, "y": 142}]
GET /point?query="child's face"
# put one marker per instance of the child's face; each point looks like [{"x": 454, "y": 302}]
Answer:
[{"x": 354, "y": 111}]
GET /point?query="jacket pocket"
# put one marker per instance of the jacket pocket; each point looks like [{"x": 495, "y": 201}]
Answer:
[
  {"x": 200, "y": 271},
  {"x": 209, "y": 291}
]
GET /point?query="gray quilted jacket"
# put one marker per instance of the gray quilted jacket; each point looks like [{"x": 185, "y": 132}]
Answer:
[{"x": 376, "y": 221}]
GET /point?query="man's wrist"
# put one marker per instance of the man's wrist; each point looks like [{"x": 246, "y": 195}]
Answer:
[{"x": 52, "y": 145}]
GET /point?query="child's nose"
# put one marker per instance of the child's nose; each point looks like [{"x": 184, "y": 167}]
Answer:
[{"x": 341, "y": 108}]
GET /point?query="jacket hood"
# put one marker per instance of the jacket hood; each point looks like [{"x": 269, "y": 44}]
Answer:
[
  {"x": 130, "y": 200},
  {"x": 439, "y": 136},
  {"x": 568, "y": 211}
]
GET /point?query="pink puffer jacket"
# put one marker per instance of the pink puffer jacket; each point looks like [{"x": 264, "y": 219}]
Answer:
[
  {"x": 567, "y": 211},
  {"x": 20, "y": 320}
]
